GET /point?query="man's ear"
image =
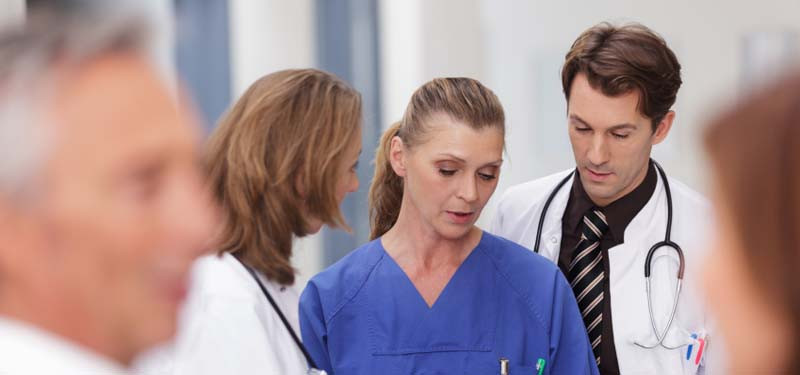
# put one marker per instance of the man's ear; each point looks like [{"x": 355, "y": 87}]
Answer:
[
  {"x": 663, "y": 128},
  {"x": 397, "y": 156}
]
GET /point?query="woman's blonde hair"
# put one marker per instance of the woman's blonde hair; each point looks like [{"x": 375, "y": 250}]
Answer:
[
  {"x": 289, "y": 129},
  {"x": 462, "y": 99}
]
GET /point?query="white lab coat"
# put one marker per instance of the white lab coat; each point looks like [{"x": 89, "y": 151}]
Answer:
[
  {"x": 228, "y": 327},
  {"x": 517, "y": 219},
  {"x": 28, "y": 350}
]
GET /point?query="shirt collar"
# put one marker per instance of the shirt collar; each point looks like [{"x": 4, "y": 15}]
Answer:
[{"x": 620, "y": 212}]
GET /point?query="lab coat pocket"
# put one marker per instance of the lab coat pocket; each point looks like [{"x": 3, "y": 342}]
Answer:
[{"x": 693, "y": 356}]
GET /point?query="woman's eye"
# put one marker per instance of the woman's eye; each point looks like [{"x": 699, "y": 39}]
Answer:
[
  {"x": 486, "y": 176},
  {"x": 447, "y": 172}
]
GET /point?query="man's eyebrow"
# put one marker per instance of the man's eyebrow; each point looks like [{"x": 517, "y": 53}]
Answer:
[
  {"x": 577, "y": 118},
  {"x": 622, "y": 126}
]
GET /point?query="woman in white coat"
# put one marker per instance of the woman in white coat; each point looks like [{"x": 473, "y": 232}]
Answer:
[{"x": 280, "y": 162}]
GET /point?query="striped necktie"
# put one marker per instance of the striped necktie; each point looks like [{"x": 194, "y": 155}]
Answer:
[{"x": 586, "y": 276}]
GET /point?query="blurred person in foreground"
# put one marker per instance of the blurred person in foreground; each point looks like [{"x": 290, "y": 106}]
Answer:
[
  {"x": 102, "y": 203},
  {"x": 751, "y": 277}
]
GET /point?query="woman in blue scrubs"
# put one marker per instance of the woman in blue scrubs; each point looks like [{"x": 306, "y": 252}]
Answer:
[{"x": 433, "y": 293}]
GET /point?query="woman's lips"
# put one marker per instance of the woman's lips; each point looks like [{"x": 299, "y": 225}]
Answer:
[{"x": 459, "y": 217}]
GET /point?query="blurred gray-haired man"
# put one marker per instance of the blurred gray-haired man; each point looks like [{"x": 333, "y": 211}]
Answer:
[{"x": 102, "y": 203}]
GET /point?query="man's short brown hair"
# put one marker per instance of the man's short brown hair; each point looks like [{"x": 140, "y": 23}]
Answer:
[{"x": 619, "y": 59}]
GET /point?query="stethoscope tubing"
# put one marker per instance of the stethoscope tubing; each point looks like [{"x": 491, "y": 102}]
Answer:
[{"x": 667, "y": 242}]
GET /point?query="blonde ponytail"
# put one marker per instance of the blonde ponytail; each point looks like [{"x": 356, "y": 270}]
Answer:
[{"x": 386, "y": 190}]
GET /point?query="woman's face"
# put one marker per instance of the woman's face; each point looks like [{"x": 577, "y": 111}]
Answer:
[
  {"x": 450, "y": 175},
  {"x": 754, "y": 332},
  {"x": 347, "y": 181}
]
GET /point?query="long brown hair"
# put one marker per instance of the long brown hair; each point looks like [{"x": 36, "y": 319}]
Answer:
[
  {"x": 463, "y": 99},
  {"x": 755, "y": 149},
  {"x": 619, "y": 59},
  {"x": 289, "y": 128}
]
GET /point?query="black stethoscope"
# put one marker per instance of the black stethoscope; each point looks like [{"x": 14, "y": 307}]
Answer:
[
  {"x": 667, "y": 242},
  {"x": 312, "y": 366}
]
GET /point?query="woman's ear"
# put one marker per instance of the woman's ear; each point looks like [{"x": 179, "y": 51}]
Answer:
[
  {"x": 397, "y": 155},
  {"x": 300, "y": 186}
]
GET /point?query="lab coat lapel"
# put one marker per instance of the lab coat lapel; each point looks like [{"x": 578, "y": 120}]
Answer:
[
  {"x": 646, "y": 228},
  {"x": 631, "y": 319},
  {"x": 550, "y": 245}
]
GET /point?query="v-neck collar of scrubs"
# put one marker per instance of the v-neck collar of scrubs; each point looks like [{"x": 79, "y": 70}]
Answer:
[
  {"x": 421, "y": 299},
  {"x": 401, "y": 322}
]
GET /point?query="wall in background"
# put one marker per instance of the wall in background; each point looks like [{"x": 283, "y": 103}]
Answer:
[
  {"x": 422, "y": 40},
  {"x": 269, "y": 35},
  {"x": 347, "y": 45},
  {"x": 13, "y": 12},
  {"x": 202, "y": 55}
]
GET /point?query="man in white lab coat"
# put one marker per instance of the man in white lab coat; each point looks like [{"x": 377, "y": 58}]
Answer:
[
  {"x": 102, "y": 205},
  {"x": 602, "y": 217}
]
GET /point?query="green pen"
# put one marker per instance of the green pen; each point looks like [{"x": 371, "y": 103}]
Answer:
[{"x": 540, "y": 366}]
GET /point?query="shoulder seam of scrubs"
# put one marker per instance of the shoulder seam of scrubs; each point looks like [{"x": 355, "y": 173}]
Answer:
[
  {"x": 525, "y": 297},
  {"x": 361, "y": 280}
]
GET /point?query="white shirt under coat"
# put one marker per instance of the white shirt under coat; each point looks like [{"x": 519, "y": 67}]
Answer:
[
  {"x": 517, "y": 219},
  {"x": 28, "y": 350},
  {"x": 228, "y": 327}
]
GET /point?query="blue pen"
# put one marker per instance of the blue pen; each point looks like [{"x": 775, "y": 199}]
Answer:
[{"x": 689, "y": 350}]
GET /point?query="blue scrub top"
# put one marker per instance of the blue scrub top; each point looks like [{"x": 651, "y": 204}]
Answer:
[{"x": 363, "y": 315}]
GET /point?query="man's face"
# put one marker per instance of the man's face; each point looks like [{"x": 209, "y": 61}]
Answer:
[
  {"x": 611, "y": 140},
  {"x": 123, "y": 211}
]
